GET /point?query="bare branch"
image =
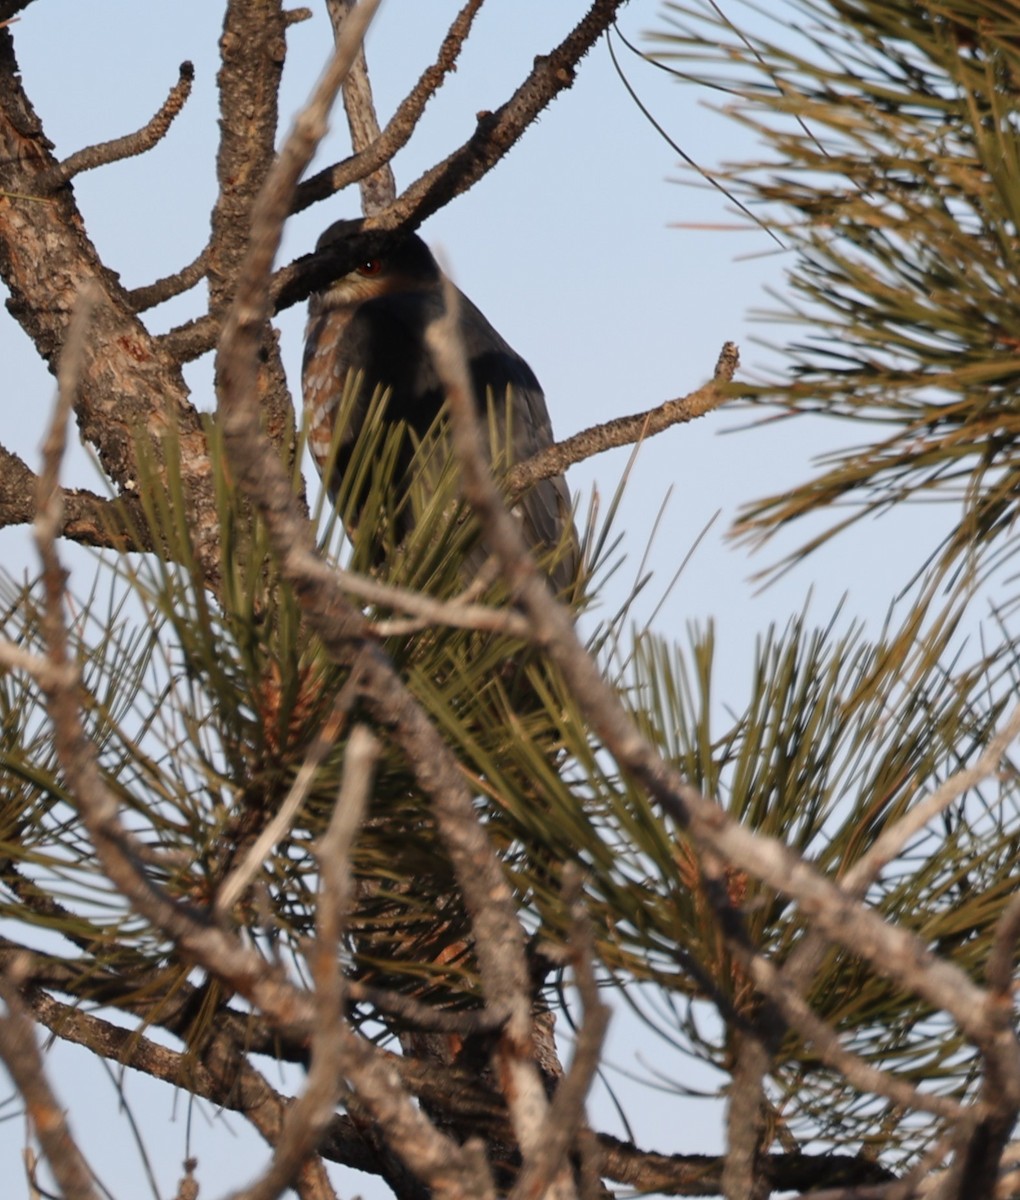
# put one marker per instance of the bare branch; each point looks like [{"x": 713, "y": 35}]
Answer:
[
  {"x": 131, "y": 144},
  {"x": 334, "y": 850},
  {"x": 497, "y": 132},
  {"x": 253, "y": 49},
  {"x": 378, "y": 188},
  {"x": 625, "y": 431},
  {"x": 151, "y": 294},
  {"x": 219, "y": 1072},
  {"x": 311, "y": 1114},
  {"x": 22, "y": 1059},
  {"x": 368, "y": 160},
  {"x": 49, "y": 500}
]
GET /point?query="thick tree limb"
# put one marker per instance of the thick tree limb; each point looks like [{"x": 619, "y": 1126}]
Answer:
[
  {"x": 86, "y": 518},
  {"x": 130, "y": 387},
  {"x": 253, "y": 48}
]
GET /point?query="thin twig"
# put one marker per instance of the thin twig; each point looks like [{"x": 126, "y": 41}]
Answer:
[
  {"x": 131, "y": 144},
  {"x": 333, "y": 851},
  {"x": 826, "y": 1043},
  {"x": 311, "y": 1113}
]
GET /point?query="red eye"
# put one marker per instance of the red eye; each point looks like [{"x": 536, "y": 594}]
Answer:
[{"x": 371, "y": 266}]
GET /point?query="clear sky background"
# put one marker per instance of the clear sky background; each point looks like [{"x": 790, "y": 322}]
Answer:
[{"x": 570, "y": 248}]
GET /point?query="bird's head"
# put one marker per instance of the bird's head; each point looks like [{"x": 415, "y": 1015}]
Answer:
[{"x": 404, "y": 265}]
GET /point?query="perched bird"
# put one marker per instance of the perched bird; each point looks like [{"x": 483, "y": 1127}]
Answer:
[{"x": 373, "y": 321}]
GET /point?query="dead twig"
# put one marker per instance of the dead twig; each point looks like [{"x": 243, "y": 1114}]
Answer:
[
  {"x": 234, "y": 886},
  {"x": 130, "y": 144},
  {"x": 626, "y": 431}
]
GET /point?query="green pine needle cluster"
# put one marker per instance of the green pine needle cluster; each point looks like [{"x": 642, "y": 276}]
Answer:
[
  {"x": 892, "y": 176},
  {"x": 203, "y": 708}
]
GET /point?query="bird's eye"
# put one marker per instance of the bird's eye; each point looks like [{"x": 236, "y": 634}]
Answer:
[{"x": 371, "y": 266}]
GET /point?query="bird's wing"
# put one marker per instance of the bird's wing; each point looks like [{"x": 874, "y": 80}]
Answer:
[
  {"x": 498, "y": 371},
  {"x": 384, "y": 338}
]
